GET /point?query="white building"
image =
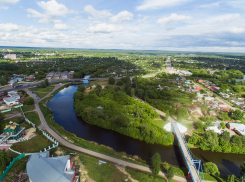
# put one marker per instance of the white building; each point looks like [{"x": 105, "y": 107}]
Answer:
[
  {"x": 10, "y": 101},
  {"x": 10, "y": 56},
  {"x": 214, "y": 128},
  {"x": 14, "y": 94}
]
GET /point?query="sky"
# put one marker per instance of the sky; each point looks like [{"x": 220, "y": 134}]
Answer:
[{"x": 173, "y": 25}]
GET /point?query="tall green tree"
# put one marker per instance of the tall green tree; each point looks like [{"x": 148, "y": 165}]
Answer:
[
  {"x": 211, "y": 168},
  {"x": 156, "y": 160},
  {"x": 111, "y": 80},
  {"x": 81, "y": 88},
  {"x": 170, "y": 172}
]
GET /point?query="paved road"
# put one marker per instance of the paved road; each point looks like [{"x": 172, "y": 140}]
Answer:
[{"x": 65, "y": 143}]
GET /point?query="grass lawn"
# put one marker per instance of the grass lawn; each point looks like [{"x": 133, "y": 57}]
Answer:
[
  {"x": 47, "y": 89},
  {"x": 100, "y": 173},
  {"x": 28, "y": 108},
  {"x": 143, "y": 176},
  {"x": 42, "y": 94},
  {"x": 160, "y": 123},
  {"x": 35, "y": 144},
  {"x": 33, "y": 117},
  {"x": 10, "y": 112}
]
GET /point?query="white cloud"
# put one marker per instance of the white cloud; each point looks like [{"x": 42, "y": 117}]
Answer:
[
  {"x": 173, "y": 18},
  {"x": 4, "y": 7},
  {"x": 157, "y": 4},
  {"x": 7, "y": 27},
  {"x": 8, "y": 1},
  {"x": 33, "y": 13},
  {"x": 96, "y": 14},
  {"x": 52, "y": 10},
  {"x": 104, "y": 28},
  {"x": 212, "y": 5},
  {"x": 61, "y": 27},
  {"x": 121, "y": 17}
]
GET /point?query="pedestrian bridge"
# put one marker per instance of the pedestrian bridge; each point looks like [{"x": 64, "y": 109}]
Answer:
[{"x": 193, "y": 163}]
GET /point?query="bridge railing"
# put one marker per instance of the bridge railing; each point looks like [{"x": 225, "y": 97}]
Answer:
[{"x": 195, "y": 162}]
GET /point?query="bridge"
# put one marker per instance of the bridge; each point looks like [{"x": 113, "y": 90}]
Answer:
[{"x": 193, "y": 163}]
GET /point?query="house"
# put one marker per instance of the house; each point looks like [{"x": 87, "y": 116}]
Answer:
[
  {"x": 225, "y": 109},
  {"x": 214, "y": 128},
  {"x": 237, "y": 127},
  {"x": 199, "y": 80},
  {"x": 11, "y": 101},
  {"x": 209, "y": 98},
  {"x": 14, "y": 94},
  {"x": 50, "y": 75},
  {"x": 42, "y": 168},
  {"x": 64, "y": 75},
  {"x": 212, "y": 113}
]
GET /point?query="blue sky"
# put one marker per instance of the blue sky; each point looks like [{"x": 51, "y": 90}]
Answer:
[{"x": 182, "y": 25}]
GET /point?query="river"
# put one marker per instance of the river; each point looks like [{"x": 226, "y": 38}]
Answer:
[{"x": 64, "y": 114}]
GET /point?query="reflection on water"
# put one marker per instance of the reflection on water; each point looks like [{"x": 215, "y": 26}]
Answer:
[{"x": 64, "y": 114}]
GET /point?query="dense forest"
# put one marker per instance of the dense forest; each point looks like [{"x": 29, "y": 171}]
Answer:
[{"x": 111, "y": 108}]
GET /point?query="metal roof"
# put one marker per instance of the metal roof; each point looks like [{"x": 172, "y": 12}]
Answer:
[
  {"x": 42, "y": 168},
  {"x": 10, "y": 99}
]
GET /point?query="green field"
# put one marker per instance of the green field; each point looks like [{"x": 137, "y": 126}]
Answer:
[
  {"x": 47, "y": 89},
  {"x": 143, "y": 176},
  {"x": 160, "y": 123},
  {"x": 28, "y": 108},
  {"x": 33, "y": 117},
  {"x": 41, "y": 94},
  {"x": 35, "y": 144}
]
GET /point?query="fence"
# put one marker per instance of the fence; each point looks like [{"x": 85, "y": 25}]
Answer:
[
  {"x": 27, "y": 120},
  {"x": 10, "y": 165},
  {"x": 11, "y": 108},
  {"x": 55, "y": 143}
]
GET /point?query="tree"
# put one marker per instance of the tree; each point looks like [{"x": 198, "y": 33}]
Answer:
[
  {"x": 237, "y": 114},
  {"x": 211, "y": 168},
  {"x": 242, "y": 169},
  {"x": 43, "y": 85},
  {"x": 119, "y": 83},
  {"x": 28, "y": 101},
  {"x": 167, "y": 115},
  {"x": 231, "y": 178},
  {"x": 78, "y": 96},
  {"x": 2, "y": 117},
  {"x": 81, "y": 88},
  {"x": 46, "y": 82},
  {"x": 5, "y": 159},
  {"x": 156, "y": 160},
  {"x": 111, "y": 80},
  {"x": 170, "y": 172},
  {"x": 5, "y": 92}
]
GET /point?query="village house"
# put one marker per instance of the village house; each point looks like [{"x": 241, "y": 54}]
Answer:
[{"x": 237, "y": 127}]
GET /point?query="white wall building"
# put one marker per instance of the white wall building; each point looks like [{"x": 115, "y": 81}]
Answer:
[{"x": 10, "y": 101}]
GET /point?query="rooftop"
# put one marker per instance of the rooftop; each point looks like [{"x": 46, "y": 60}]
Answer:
[{"x": 42, "y": 168}]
